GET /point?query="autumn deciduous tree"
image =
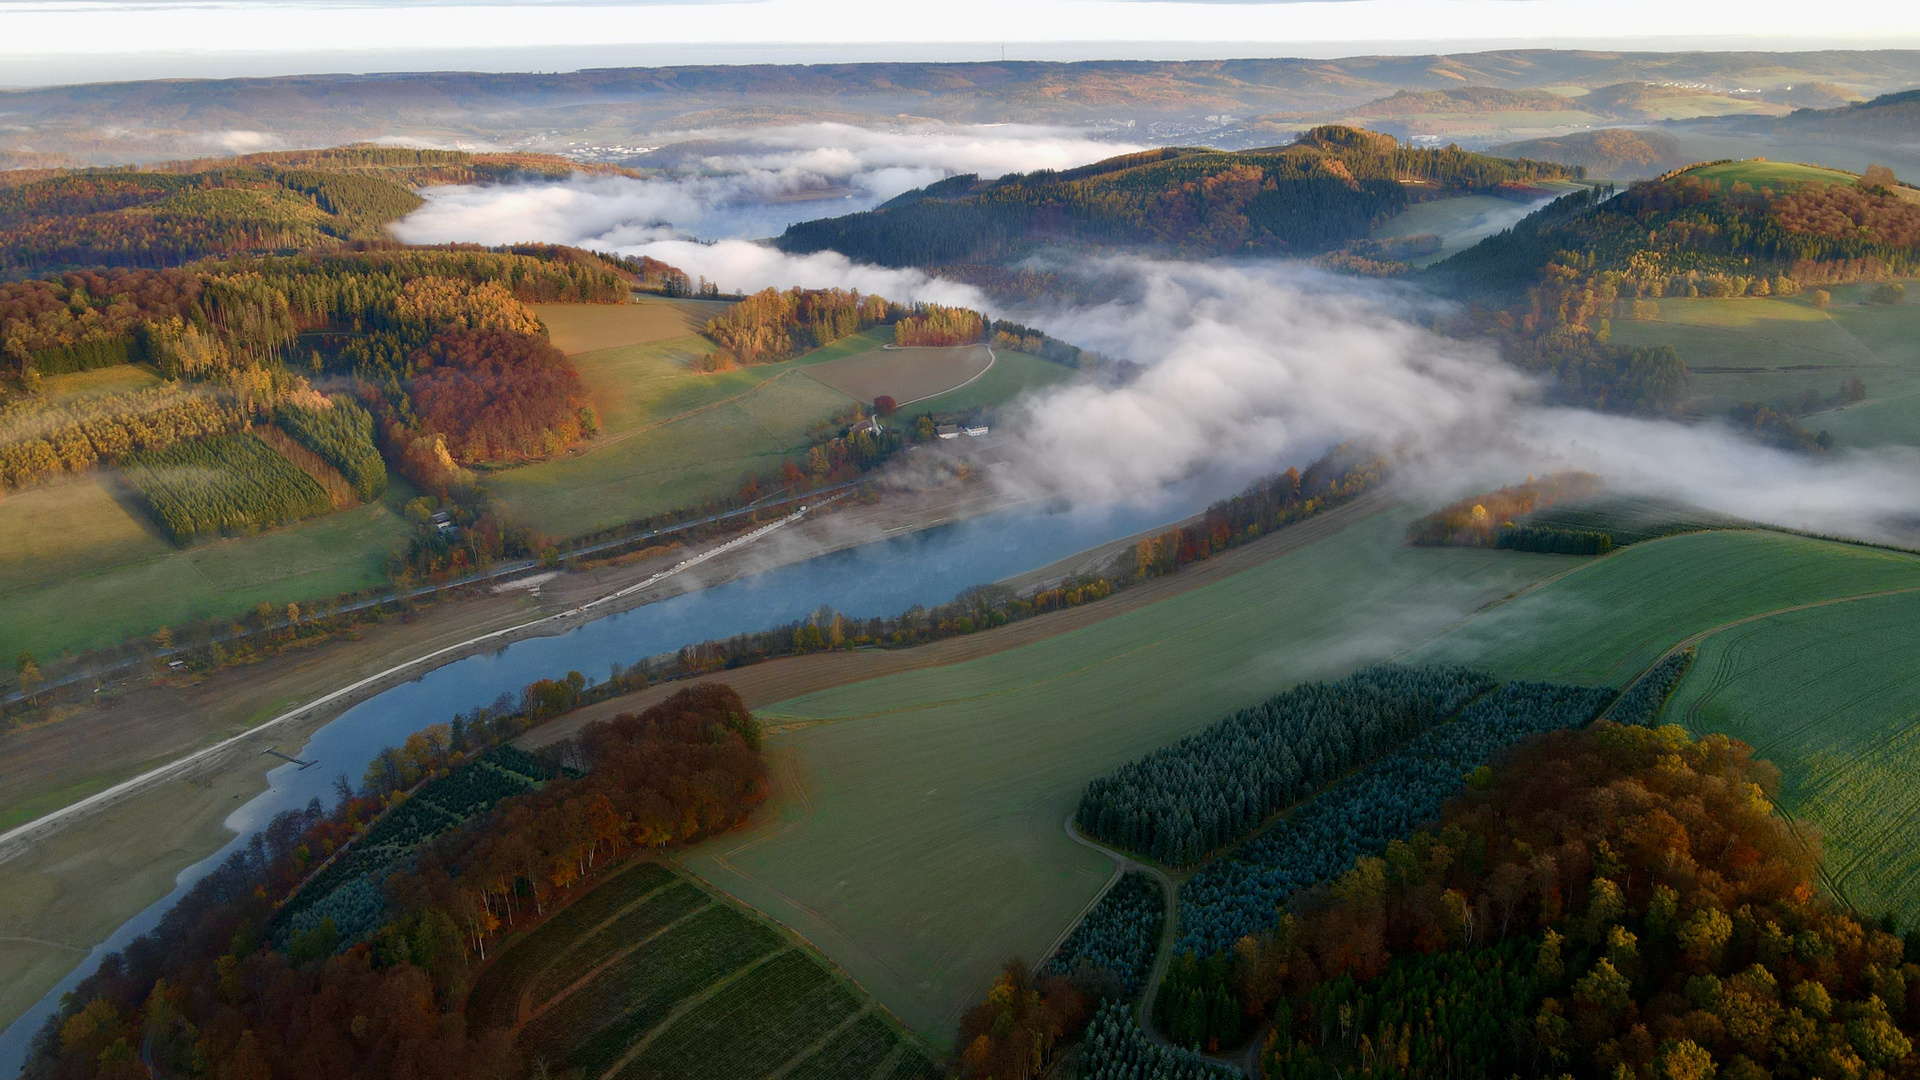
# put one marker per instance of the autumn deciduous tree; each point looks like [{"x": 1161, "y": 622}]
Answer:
[
  {"x": 496, "y": 395},
  {"x": 1012, "y": 1035},
  {"x": 1611, "y": 902}
]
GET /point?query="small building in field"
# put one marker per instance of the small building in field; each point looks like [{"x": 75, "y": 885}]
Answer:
[
  {"x": 948, "y": 431},
  {"x": 974, "y": 431}
]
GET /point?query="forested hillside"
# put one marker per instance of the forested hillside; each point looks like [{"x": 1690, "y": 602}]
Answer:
[
  {"x": 1611, "y": 902},
  {"x": 176, "y": 212},
  {"x": 1331, "y": 186},
  {"x": 1550, "y": 286},
  {"x": 1704, "y": 231}
]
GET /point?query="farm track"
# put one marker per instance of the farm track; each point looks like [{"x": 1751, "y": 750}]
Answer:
[{"x": 1247, "y": 1062}]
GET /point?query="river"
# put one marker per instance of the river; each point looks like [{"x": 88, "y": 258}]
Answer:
[{"x": 881, "y": 578}]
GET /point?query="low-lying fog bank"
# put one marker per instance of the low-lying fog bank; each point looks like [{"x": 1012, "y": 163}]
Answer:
[{"x": 1247, "y": 366}]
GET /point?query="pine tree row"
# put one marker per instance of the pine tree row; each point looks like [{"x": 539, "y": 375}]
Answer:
[
  {"x": 1183, "y": 801},
  {"x": 1390, "y": 798}
]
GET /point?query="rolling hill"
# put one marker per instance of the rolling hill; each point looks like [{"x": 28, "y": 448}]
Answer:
[
  {"x": 1610, "y": 152},
  {"x": 116, "y": 123},
  {"x": 1332, "y": 185},
  {"x": 1714, "y": 229},
  {"x": 52, "y": 220}
]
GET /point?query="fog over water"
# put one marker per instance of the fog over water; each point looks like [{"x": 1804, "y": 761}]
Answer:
[{"x": 1254, "y": 363}]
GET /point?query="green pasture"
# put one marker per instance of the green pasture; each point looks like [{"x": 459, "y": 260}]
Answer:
[
  {"x": 651, "y": 976},
  {"x": 699, "y": 455},
  {"x": 638, "y": 386},
  {"x": 1831, "y": 695},
  {"x": 1775, "y": 350},
  {"x": 80, "y": 568},
  {"x": 1012, "y": 374},
  {"x": 672, "y": 437},
  {"x": 1610, "y": 620},
  {"x": 928, "y": 843},
  {"x": 1758, "y": 171}
]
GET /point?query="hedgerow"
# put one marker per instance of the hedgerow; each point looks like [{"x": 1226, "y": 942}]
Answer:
[
  {"x": 1243, "y": 894},
  {"x": 1205, "y": 791}
]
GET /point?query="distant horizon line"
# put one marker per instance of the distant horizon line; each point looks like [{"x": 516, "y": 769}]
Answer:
[{"x": 54, "y": 71}]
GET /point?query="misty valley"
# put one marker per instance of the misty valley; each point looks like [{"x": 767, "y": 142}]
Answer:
[{"x": 1384, "y": 566}]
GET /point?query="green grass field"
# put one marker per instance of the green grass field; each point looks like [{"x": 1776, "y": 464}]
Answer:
[
  {"x": 1758, "y": 171},
  {"x": 928, "y": 846},
  {"x": 649, "y": 976},
  {"x": 679, "y": 463},
  {"x": 673, "y": 437},
  {"x": 1775, "y": 350},
  {"x": 1012, "y": 374},
  {"x": 80, "y": 568},
  {"x": 1606, "y": 622},
  {"x": 1832, "y": 696}
]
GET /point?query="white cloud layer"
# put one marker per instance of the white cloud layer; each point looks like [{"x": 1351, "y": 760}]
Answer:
[
  {"x": 1249, "y": 366},
  {"x": 1252, "y": 366},
  {"x": 749, "y": 185}
]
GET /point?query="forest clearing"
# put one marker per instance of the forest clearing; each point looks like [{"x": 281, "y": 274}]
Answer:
[{"x": 585, "y": 328}]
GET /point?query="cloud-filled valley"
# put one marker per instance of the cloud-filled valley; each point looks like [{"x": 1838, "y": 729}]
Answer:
[{"x": 1246, "y": 365}]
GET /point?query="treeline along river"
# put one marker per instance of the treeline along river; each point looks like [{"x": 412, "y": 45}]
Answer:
[{"x": 882, "y": 578}]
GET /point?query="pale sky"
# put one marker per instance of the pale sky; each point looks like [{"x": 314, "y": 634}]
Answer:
[{"x": 61, "y": 40}]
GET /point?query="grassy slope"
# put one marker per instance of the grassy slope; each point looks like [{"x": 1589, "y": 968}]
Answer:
[
  {"x": 678, "y": 463},
  {"x": 925, "y": 844},
  {"x": 579, "y": 328},
  {"x": 672, "y": 437},
  {"x": 902, "y": 374},
  {"x": 1759, "y": 171},
  {"x": 1606, "y": 623},
  {"x": 1773, "y": 350},
  {"x": 79, "y": 569},
  {"x": 1829, "y": 695}
]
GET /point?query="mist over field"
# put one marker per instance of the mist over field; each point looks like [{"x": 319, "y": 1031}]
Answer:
[{"x": 1246, "y": 366}]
